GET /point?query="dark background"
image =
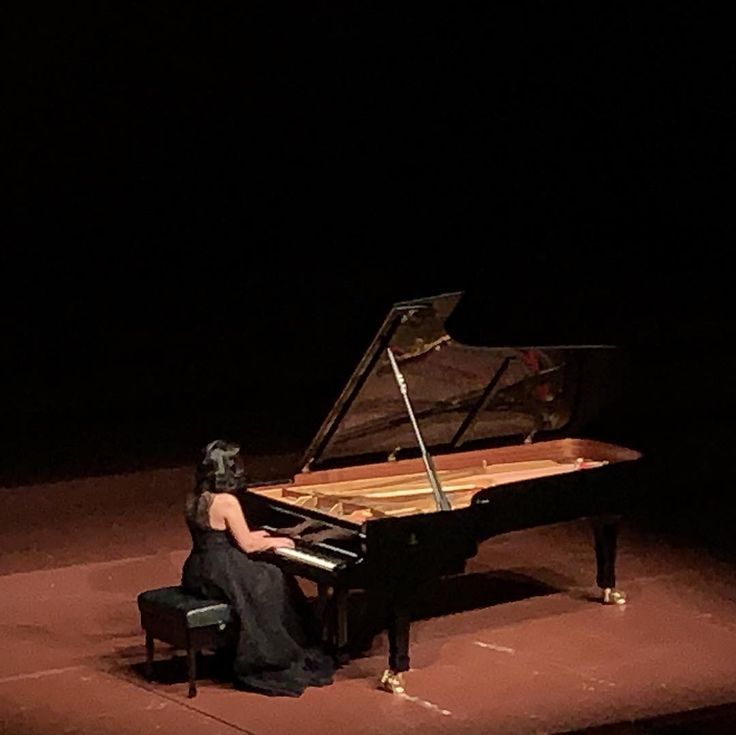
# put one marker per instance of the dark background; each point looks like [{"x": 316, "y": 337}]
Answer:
[{"x": 211, "y": 210}]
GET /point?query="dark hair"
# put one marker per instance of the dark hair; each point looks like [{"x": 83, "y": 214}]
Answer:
[{"x": 221, "y": 468}]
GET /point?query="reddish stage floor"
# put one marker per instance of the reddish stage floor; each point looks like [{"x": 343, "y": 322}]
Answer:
[{"x": 515, "y": 647}]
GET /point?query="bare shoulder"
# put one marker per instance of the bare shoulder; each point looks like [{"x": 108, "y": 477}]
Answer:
[
  {"x": 226, "y": 503},
  {"x": 225, "y": 511}
]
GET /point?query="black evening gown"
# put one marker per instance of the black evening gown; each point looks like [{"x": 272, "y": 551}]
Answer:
[{"x": 278, "y": 650}]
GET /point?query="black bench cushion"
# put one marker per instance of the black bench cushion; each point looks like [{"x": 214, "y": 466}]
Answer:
[{"x": 198, "y": 613}]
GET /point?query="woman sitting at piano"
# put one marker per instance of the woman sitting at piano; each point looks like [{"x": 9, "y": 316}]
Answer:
[{"x": 278, "y": 651}]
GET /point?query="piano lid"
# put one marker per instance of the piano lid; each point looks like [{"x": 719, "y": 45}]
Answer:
[{"x": 463, "y": 395}]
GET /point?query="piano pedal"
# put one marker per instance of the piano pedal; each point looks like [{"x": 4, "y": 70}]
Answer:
[
  {"x": 612, "y": 596},
  {"x": 392, "y": 682}
]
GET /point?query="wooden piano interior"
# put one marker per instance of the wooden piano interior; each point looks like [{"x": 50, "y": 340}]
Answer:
[{"x": 361, "y": 493}]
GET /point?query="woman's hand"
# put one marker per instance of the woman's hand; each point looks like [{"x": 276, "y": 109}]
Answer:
[
  {"x": 274, "y": 542},
  {"x": 281, "y": 542},
  {"x": 249, "y": 541}
]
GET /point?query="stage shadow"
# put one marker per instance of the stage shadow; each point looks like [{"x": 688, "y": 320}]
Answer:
[
  {"x": 475, "y": 590},
  {"x": 367, "y": 610},
  {"x": 367, "y": 619},
  {"x": 716, "y": 720},
  {"x": 169, "y": 666}
]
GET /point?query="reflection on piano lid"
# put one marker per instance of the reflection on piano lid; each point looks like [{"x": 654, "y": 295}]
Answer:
[{"x": 463, "y": 396}]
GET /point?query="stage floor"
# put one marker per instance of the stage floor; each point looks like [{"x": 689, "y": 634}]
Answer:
[{"x": 515, "y": 646}]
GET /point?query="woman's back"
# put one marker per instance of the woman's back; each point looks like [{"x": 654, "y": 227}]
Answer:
[{"x": 278, "y": 650}]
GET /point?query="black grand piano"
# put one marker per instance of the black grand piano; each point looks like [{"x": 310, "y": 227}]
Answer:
[{"x": 434, "y": 446}]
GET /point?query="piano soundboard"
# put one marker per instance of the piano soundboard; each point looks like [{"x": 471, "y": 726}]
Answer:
[{"x": 356, "y": 495}]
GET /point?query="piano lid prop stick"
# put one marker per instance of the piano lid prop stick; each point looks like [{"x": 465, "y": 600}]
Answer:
[{"x": 440, "y": 498}]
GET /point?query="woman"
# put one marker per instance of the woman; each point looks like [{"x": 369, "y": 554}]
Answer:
[{"x": 277, "y": 651}]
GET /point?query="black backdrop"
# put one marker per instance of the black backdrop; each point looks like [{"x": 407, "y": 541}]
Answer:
[{"x": 212, "y": 209}]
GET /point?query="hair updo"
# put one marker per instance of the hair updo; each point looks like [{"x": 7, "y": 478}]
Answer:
[{"x": 221, "y": 468}]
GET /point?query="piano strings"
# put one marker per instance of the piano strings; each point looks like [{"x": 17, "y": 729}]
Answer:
[{"x": 360, "y": 500}]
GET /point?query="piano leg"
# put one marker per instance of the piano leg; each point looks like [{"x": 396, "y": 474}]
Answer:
[
  {"x": 605, "y": 532},
  {"x": 398, "y": 638},
  {"x": 334, "y": 615},
  {"x": 399, "y": 623},
  {"x": 341, "y": 624},
  {"x": 323, "y": 611}
]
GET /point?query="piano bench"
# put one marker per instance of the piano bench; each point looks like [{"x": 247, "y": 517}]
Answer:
[{"x": 187, "y": 623}]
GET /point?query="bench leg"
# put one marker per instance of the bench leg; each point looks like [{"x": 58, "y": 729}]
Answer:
[
  {"x": 149, "y": 656},
  {"x": 192, "y": 668}
]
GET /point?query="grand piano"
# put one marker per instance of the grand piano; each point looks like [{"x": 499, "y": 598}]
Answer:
[{"x": 434, "y": 446}]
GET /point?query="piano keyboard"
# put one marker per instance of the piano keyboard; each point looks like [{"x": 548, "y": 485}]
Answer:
[{"x": 307, "y": 558}]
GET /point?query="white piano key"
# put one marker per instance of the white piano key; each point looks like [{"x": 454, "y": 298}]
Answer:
[{"x": 307, "y": 558}]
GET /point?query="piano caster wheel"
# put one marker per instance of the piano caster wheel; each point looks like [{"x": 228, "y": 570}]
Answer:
[
  {"x": 612, "y": 596},
  {"x": 391, "y": 682}
]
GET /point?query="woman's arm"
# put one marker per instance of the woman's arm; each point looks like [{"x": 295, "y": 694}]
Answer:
[{"x": 229, "y": 510}]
